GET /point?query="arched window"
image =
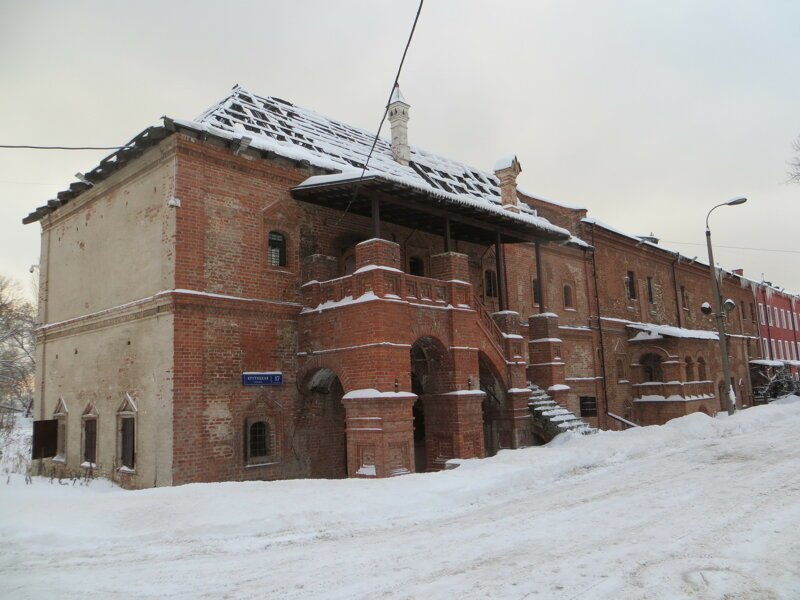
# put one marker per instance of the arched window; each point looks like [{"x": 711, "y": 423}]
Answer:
[
  {"x": 490, "y": 284},
  {"x": 568, "y": 300},
  {"x": 701, "y": 369},
  {"x": 276, "y": 252},
  {"x": 258, "y": 440},
  {"x": 651, "y": 367},
  {"x": 689, "y": 369},
  {"x": 537, "y": 293},
  {"x": 416, "y": 266}
]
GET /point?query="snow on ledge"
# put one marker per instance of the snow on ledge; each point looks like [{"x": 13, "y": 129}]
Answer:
[
  {"x": 366, "y": 268},
  {"x": 546, "y": 315},
  {"x": 373, "y": 393},
  {"x": 558, "y": 387}
]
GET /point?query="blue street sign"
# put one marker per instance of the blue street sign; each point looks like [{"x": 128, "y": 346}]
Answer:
[{"x": 262, "y": 378}]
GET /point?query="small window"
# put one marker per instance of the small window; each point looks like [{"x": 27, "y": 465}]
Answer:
[
  {"x": 689, "y": 369},
  {"x": 588, "y": 406},
  {"x": 416, "y": 266},
  {"x": 126, "y": 448},
  {"x": 774, "y": 354},
  {"x": 684, "y": 298},
  {"x": 128, "y": 442},
  {"x": 259, "y": 441},
  {"x": 568, "y": 300},
  {"x": 490, "y": 284},
  {"x": 761, "y": 313},
  {"x": 650, "y": 296},
  {"x": 537, "y": 293},
  {"x": 90, "y": 441},
  {"x": 276, "y": 253},
  {"x": 61, "y": 439},
  {"x": 60, "y": 415},
  {"x": 630, "y": 284},
  {"x": 701, "y": 369}
]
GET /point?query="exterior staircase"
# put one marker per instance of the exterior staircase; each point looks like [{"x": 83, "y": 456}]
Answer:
[{"x": 550, "y": 418}]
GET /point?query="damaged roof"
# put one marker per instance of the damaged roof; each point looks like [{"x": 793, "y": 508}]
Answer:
[{"x": 275, "y": 126}]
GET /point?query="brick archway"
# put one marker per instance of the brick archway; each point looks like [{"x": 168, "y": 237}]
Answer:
[
  {"x": 431, "y": 374},
  {"x": 320, "y": 434}
]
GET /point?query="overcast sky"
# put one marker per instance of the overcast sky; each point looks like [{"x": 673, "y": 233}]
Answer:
[{"x": 645, "y": 112}]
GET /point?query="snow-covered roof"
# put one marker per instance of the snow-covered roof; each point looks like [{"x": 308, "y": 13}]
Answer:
[{"x": 302, "y": 134}]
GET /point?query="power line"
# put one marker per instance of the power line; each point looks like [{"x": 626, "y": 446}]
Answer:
[
  {"x": 385, "y": 112},
  {"x": 25, "y": 147},
  {"x": 733, "y": 247}
]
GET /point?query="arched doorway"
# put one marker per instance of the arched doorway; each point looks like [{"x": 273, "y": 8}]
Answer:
[
  {"x": 493, "y": 404},
  {"x": 321, "y": 426},
  {"x": 428, "y": 366}
]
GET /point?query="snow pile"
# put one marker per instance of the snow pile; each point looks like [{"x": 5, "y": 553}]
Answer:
[{"x": 697, "y": 508}]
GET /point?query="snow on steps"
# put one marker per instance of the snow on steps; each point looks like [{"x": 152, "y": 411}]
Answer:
[{"x": 550, "y": 418}]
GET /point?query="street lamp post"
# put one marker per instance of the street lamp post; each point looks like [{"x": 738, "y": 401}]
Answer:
[{"x": 730, "y": 400}]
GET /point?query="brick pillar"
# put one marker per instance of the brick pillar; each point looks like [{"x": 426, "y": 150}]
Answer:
[
  {"x": 377, "y": 252},
  {"x": 546, "y": 368},
  {"x": 380, "y": 433},
  {"x": 319, "y": 267},
  {"x": 449, "y": 266},
  {"x": 453, "y": 427}
]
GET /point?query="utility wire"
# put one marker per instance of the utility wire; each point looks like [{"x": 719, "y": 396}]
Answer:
[
  {"x": 20, "y": 147},
  {"x": 385, "y": 112},
  {"x": 733, "y": 247}
]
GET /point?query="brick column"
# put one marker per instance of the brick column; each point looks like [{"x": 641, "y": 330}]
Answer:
[
  {"x": 380, "y": 433},
  {"x": 453, "y": 427},
  {"x": 382, "y": 253},
  {"x": 319, "y": 267},
  {"x": 546, "y": 368},
  {"x": 449, "y": 266}
]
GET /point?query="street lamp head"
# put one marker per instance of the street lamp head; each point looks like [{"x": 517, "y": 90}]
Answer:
[{"x": 736, "y": 201}]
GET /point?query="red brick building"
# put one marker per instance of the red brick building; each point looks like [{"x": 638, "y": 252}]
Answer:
[
  {"x": 391, "y": 322},
  {"x": 778, "y": 318}
]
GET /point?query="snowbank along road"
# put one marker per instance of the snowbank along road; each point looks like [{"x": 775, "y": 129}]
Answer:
[{"x": 698, "y": 508}]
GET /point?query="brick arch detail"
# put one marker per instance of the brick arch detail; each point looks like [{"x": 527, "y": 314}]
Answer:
[{"x": 328, "y": 361}]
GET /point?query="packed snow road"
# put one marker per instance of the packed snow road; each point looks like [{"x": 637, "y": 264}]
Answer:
[{"x": 698, "y": 508}]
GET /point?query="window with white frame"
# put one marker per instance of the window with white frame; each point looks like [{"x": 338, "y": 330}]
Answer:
[
  {"x": 774, "y": 354},
  {"x": 126, "y": 434},
  {"x": 89, "y": 437},
  {"x": 769, "y": 315},
  {"x": 60, "y": 415},
  {"x": 761, "y": 313}
]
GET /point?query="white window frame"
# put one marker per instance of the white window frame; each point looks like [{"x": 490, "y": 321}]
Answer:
[{"x": 761, "y": 313}]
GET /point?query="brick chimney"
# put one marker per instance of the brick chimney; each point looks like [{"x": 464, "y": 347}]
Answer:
[
  {"x": 506, "y": 170},
  {"x": 398, "y": 118}
]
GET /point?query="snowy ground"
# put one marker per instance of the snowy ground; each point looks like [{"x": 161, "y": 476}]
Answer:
[{"x": 698, "y": 508}]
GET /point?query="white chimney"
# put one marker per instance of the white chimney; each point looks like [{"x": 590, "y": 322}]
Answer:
[
  {"x": 398, "y": 118},
  {"x": 506, "y": 170}
]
